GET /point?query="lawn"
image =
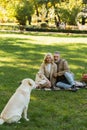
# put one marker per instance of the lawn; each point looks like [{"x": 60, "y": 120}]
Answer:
[{"x": 20, "y": 57}]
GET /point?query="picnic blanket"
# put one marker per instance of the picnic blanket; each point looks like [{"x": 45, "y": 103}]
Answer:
[{"x": 78, "y": 85}]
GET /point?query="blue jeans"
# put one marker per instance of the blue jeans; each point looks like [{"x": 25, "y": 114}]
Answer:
[{"x": 70, "y": 78}]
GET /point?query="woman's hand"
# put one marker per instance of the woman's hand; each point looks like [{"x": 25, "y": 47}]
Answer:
[
  {"x": 49, "y": 83},
  {"x": 55, "y": 75}
]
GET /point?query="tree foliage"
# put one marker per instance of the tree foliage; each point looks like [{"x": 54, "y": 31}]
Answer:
[
  {"x": 24, "y": 11},
  {"x": 45, "y": 10},
  {"x": 6, "y": 10},
  {"x": 69, "y": 11}
]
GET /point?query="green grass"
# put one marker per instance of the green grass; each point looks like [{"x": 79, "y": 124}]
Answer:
[{"x": 21, "y": 56}]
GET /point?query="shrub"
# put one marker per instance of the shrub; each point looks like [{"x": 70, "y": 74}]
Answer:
[{"x": 44, "y": 25}]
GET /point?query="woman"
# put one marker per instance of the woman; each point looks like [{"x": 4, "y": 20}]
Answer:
[{"x": 47, "y": 70}]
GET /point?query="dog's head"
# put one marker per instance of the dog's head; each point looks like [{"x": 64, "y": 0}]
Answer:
[{"x": 29, "y": 82}]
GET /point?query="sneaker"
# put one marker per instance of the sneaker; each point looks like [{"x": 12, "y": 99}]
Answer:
[
  {"x": 80, "y": 84},
  {"x": 47, "y": 89},
  {"x": 73, "y": 88},
  {"x": 56, "y": 88}
]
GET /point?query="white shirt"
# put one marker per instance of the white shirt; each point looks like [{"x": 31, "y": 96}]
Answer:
[{"x": 48, "y": 67}]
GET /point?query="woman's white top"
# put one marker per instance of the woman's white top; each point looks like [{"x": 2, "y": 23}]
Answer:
[{"x": 48, "y": 67}]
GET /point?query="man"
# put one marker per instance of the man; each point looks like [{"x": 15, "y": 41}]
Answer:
[{"x": 65, "y": 78}]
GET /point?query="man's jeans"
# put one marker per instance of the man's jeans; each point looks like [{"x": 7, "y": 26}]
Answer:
[{"x": 70, "y": 78}]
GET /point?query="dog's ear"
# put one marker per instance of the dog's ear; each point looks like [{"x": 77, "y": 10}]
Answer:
[
  {"x": 20, "y": 83},
  {"x": 30, "y": 84}
]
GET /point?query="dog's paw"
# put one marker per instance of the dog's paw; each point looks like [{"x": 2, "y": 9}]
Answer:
[
  {"x": 18, "y": 122},
  {"x": 26, "y": 119}
]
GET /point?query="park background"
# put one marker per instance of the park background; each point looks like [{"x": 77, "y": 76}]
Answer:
[
  {"x": 22, "y": 52},
  {"x": 39, "y": 14}
]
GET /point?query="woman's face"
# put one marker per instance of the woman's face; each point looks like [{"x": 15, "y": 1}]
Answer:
[{"x": 48, "y": 59}]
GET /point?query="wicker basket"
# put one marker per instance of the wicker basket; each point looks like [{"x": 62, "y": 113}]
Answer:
[{"x": 84, "y": 77}]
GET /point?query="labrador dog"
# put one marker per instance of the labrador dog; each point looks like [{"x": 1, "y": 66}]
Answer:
[{"x": 18, "y": 103}]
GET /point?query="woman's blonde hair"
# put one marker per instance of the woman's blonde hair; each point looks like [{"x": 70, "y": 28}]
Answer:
[{"x": 48, "y": 54}]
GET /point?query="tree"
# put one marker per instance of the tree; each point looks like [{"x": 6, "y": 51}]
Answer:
[
  {"x": 6, "y": 10},
  {"x": 40, "y": 6},
  {"x": 68, "y": 11},
  {"x": 24, "y": 11},
  {"x": 84, "y": 1}
]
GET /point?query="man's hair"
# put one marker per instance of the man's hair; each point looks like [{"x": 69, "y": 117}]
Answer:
[{"x": 56, "y": 52}]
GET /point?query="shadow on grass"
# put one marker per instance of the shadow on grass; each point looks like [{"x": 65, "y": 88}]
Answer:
[
  {"x": 22, "y": 59},
  {"x": 18, "y": 60}
]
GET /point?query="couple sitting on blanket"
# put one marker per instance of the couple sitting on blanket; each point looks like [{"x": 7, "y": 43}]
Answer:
[{"x": 54, "y": 73}]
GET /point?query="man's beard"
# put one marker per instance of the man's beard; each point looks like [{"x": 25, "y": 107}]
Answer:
[{"x": 55, "y": 61}]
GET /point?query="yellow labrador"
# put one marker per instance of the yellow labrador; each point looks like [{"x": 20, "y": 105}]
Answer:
[{"x": 18, "y": 103}]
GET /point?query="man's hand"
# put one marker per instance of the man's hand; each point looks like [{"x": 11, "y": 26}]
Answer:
[{"x": 59, "y": 73}]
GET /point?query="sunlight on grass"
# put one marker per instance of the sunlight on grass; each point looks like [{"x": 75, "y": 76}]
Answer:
[
  {"x": 47, "y": 39},
  {"x": 20, "y": 57},
  {"x": 7, "y": 59},
  {"x": 74, "y": 67},
  {"x": 24, "y": 49},
  {"x": 33, "y": 98}
]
